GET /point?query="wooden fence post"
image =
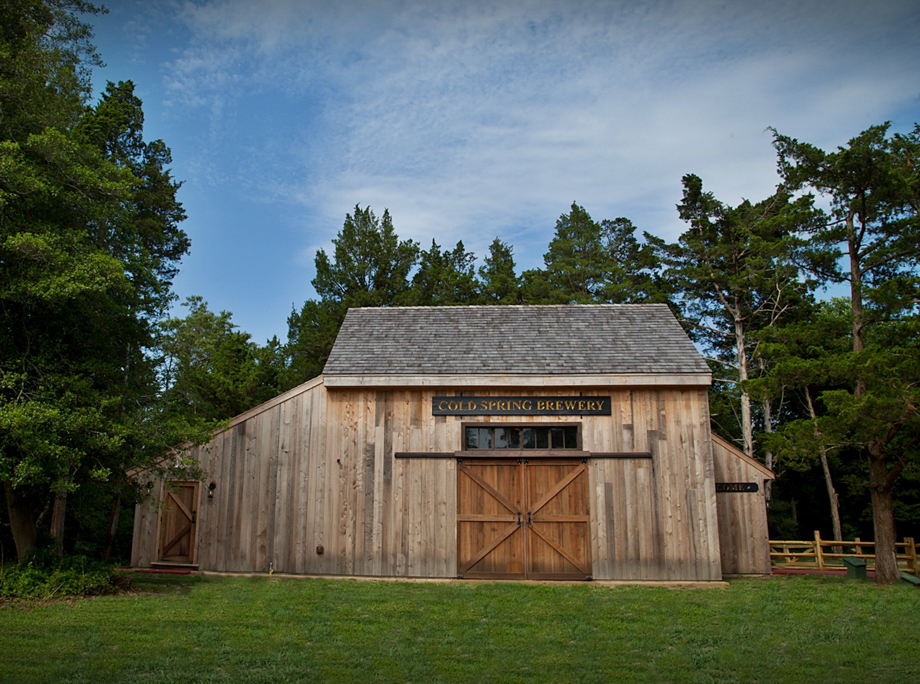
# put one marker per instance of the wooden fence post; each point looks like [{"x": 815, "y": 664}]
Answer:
[
  {"x": 819, "y": 552},
  {"x": 911, "y": 551}
]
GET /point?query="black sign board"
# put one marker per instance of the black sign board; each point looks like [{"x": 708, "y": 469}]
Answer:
[
  {"x": 520, "y": 406},
  {"x": 737, "y": 487}
]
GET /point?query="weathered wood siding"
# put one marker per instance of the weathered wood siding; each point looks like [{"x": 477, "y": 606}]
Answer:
[
  {"x": 144, "y": 541},
  {"x": 317, "y": 468},
  {"x": 743, "y": 534}
]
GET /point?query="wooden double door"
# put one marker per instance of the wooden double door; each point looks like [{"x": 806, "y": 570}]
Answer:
[{"x": 523, "y": 519}]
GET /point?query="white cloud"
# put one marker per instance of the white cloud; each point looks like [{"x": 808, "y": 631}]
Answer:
[{"x": 475, "y": 119}]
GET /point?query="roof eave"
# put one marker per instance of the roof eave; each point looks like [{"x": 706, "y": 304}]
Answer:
[{"x": 522, "y": 380}]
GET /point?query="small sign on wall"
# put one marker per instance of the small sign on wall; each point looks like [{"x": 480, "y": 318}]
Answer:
[
  {"x": 520, "y": 406},
  {"x": 737, "y": 487}
]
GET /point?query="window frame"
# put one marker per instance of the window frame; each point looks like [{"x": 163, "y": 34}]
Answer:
[{"x": 577, "y": 452}]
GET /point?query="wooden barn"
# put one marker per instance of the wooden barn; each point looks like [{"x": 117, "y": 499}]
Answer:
[{"x": 511, "y": 442}]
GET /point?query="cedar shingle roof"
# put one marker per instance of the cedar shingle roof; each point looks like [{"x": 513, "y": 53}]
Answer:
[{"x": 528, "y": 340}]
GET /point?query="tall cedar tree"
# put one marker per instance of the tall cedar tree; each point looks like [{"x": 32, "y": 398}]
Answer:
[
  {"x": 498, "y": 283},
  {"x": 801, "y": 355},
  {"x": 873, "y": 184},
  {"x": 371, "y": 267},
  {"x": 592, "y": 263},
  {"x": 445, "y": 277},
  {"x": 89, "y": 240},
  {"x": 732, "y": 274}
]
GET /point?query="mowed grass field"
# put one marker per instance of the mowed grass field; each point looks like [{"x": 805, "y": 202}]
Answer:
[{"x": 261, "y": 629}]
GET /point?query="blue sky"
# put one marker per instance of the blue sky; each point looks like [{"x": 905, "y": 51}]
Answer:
[{"x": 471, "y": 120}]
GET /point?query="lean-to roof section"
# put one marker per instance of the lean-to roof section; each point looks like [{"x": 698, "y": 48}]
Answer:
[{"x": 521, "y": 346}]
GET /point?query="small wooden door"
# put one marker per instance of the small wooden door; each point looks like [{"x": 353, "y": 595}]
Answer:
[
  {"x": 523, "y": 519},
  {"x": 178, "y": 523}
]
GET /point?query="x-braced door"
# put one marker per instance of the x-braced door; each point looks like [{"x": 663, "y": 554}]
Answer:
[
  {"x": 523, "y": 519},
  {"x": 178, "y": 523}
]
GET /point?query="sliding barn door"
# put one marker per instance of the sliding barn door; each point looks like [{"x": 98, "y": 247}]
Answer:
[
  {"x": 558, "y": 520},
  {"x": 523, "y": 519},
  {"x": 178, "y": 523},
  {"x": 490, "y": 538}
]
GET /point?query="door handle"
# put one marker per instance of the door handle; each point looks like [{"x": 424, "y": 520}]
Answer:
[
  {"x": 519, "y": 518},
  {"x": 529, "y": 521},
  {"x": 194, "y": 515}
]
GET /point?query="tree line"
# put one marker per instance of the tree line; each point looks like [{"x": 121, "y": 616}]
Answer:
[{"x": 99, "y": 382}]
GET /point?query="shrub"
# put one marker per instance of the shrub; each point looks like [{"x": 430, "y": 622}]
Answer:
[{"x": 42, "y": 577}]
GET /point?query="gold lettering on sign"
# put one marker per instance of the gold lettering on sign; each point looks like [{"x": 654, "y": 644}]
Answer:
[{"x": 442, "y": 406}]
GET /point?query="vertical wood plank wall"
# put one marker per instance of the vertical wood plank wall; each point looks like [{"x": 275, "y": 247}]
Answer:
[
  {"x": 318, "y": 469},
  {"x": 743, "y": 534}
]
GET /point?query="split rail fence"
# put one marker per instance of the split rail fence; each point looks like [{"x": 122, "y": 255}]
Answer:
[{"x": 828, "y": 554}]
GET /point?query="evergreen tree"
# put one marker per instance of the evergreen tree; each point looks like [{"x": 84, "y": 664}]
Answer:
[
  {"x": 498, "y": 282},
  {"x": 873, "y": 184},
  {"x": 371, "y": 267},
  {"x": 592, "y": 263},
  {"x": 733, "y": 274},
  {"x": 445, "y": 278},
  {"x": 89, "y": 242}
]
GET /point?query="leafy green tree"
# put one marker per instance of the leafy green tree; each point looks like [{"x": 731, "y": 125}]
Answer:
[
  {"x": 873, "y": 184},
  {"x": 211, "y": 370},
  {"x": 445, "y": 277},
  {"x": 89, "y": 242},
  {"x": 498, "y": 282},
  {"x": 732, "y": 274}
]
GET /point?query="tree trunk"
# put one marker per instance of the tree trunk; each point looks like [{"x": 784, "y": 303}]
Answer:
[
  {"x": 828, "y": 481},
  {"x": 113, "y": 528},
  {"x": 21, "y": 521},
  {"x": 768, "y": 428},
  {"x": 57, "y": 522},
  {"x": 747, "y": 428},
  {"x": 886, "y": 564}
]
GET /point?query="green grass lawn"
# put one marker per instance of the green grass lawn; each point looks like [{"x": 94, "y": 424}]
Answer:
[{"x": 221, "y": 629}]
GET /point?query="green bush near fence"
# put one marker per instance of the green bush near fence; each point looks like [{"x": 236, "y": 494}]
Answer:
[{"x": 223, "y": 629}]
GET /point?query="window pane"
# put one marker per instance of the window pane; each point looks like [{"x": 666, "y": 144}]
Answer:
[
  {"x": 558, "y": 440},
  {"x": 472, "y": 438},
  {"x": 485, "y": 438},
  {"x": 529, "y": 438},
  {"x": 501, "y": 438},
  {"x": 570, "y": 435},
  {"x": 514, "y": 438},
  {"x": 542, "y": 435}
]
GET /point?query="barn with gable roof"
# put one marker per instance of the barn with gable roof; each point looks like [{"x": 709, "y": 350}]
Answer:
[{"x": 495, "y": 442}]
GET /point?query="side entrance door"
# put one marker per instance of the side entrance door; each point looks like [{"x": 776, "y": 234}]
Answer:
[
  {"x": 523, "y": 519},
  {"x": 178, "y": 523}
]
